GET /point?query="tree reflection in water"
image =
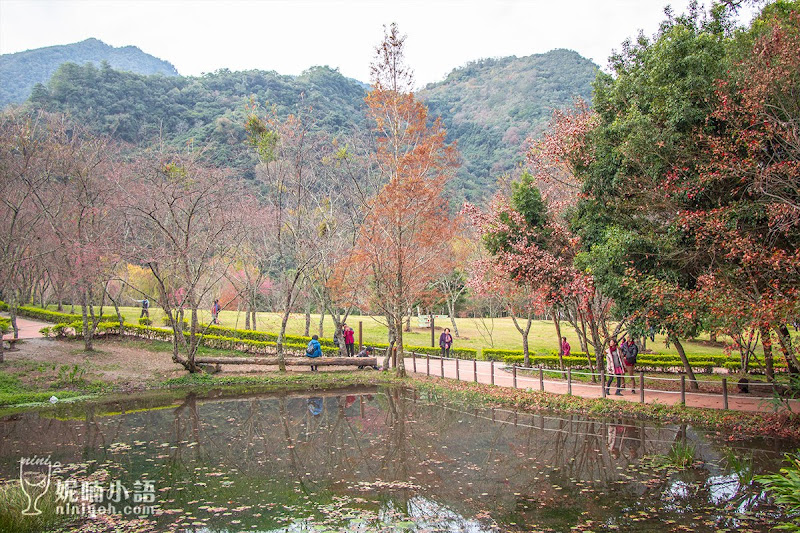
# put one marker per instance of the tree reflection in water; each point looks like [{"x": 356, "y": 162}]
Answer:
[{"x": 369, "y": 459}]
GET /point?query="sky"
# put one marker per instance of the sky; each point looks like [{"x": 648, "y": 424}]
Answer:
[{"x": 289, "y": 36}]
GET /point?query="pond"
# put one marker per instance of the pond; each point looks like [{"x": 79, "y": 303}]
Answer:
[{"x": 383, "y": 459}]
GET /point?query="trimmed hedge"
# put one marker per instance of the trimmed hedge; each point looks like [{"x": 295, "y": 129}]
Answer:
[
  {"x": 493, "y": 354},
  {"x": 51, "y": 316},
  {"x": 249, "y": 346},
  {"x": 548, "y": 361}
]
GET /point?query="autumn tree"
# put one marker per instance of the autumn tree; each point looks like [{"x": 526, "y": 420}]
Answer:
[
  {"x": 293, "y": 200},
  {"x": 185, "y": 224},
  {"x": 407, "y": 229},
  {"x": 27, "y": 159}
]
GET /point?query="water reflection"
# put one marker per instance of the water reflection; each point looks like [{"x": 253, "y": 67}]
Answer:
[{"x": 371, "y": 460}]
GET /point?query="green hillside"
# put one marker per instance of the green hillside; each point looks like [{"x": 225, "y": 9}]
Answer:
[
  {"x": 21, "y": 71},
  {"x": 207, "y": 111},
  {"x": 491, "y": 106}
]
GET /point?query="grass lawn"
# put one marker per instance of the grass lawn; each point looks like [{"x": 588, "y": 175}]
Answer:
[{"x": 503, "y": 333}]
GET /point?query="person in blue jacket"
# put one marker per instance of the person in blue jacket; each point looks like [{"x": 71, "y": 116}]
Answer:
[{"x": 314, "y": 350}]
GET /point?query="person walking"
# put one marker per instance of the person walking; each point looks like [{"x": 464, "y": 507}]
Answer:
[
  {"x": 445, "y": 342},
  {"x": 614, "y": 367},
  {"x": 215, "y": 309},
  {"x": 349, "y": 340},
  {"x": 629, "y": 352},
  {"x": 314, "y": 350},
  {"x": 145, "y": 308},
  {"x": 565, "y": 347}
]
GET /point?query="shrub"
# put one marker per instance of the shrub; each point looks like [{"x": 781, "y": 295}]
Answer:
[
  {"x": 785, "y": 486},
  {"x": 52, "y": 316},
  {"x": 145, "y": 321},
  {"x": 548, "y": 361}
]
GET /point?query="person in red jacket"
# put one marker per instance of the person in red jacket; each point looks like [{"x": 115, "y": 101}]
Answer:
[
  {"x": 349, "y": 340},
  {"x": 565, "y": 347}
]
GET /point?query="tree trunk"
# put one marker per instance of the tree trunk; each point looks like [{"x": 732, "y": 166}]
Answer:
[
  {"x": 787, "y": 349},
  {"x": 686, "y": 366},
  {"x": 12, "y": 310},
  {"x": 766, "y": 343},
  {"x": 253, "y": 319},
  {"x": 408, "y": 322},
  {"x": 557, "y": 324},
  {"x": 401, "y": 367},
  {"x": 451, "y": 309},
  {"x": 281, "y": 336},
  {"x": 321, "y": 330},
  {"x": 246, "y": 318},
  {"x": 87, "y": 332},
  {"x": 526, "y": 358},
  {"x": 308, "y": 317}
]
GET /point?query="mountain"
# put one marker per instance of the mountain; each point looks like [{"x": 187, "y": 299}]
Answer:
[
  {"x": 19, "y": 72},
  {"x": 490, "y": 107},
  {"x": 208, "y": 111}
]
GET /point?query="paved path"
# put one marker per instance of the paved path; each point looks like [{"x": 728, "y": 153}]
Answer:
[
  {"x": 28, "y": 329},
  {"x": 504, "y": 378}
]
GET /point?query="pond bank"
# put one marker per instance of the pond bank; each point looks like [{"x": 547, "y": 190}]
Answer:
[{"x": 44, "y": 368}]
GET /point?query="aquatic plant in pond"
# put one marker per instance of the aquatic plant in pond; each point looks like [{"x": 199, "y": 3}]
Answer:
[{"x": 387, "y": 460}]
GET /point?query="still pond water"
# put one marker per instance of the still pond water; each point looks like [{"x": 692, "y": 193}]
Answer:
[{"x": 386, "y": 459}]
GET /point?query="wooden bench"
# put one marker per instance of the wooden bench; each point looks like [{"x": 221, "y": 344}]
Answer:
[{"x": 289, "y": 361}]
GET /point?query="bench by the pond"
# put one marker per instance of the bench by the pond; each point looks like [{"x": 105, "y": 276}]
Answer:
[{"x": 289, "y": 361}]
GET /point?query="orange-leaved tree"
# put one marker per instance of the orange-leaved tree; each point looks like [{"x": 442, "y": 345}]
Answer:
[{"x": 407, "y": 229}]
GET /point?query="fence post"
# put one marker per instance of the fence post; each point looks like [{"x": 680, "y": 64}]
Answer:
[
  {"x": 514, "y": 373},
  {"x": 641, "y": 386},
  {"x": 603, "y": 382},
  {"x": 360, "y": 343},
  {"x": 414, "y": 361},
  {"x": 458, "y": 374},
  {"x": 683, "y": 389},
  {"x": 441, "y": 365},
  {"x": 725, "y": 393},
  {"x": 475, "y": 370},
  {"x": 428, "y": 364},
  {"x": 569, "y": 381},
  {"x": 541, "y": 378},
  {"x": 492, "y": 372}
]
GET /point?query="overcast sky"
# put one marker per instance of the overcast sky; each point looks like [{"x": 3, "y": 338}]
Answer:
[{"x": 289, "y": 36}]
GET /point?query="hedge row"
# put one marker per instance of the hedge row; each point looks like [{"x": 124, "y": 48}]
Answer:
[
  {"x": 493, "y": 354},
  {"x": 457, "y": 353},
  {"x": 45, "y": 315},
  {"x": 645, "y": 365},
  {"x": 249, "y": 346}
]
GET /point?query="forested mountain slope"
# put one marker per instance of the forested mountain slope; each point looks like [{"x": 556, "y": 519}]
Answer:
[
  {"x": 489, "y": 107},
  {"x": 19, "y": 72}
]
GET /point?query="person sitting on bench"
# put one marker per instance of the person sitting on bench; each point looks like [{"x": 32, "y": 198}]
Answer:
[{"x": 366, "y": 352}]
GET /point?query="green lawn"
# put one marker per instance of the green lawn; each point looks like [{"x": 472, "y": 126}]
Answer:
[{"x": 503, "y": 333}]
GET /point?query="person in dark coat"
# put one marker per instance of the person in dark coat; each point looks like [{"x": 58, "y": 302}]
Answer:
[{"x": 445, "y": 342}]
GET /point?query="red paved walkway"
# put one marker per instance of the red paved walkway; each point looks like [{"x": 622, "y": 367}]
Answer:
[{"x": 503, "y": 377}]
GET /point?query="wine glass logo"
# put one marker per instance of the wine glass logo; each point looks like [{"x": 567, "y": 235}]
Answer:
[{"x": 34, "y": 478}]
